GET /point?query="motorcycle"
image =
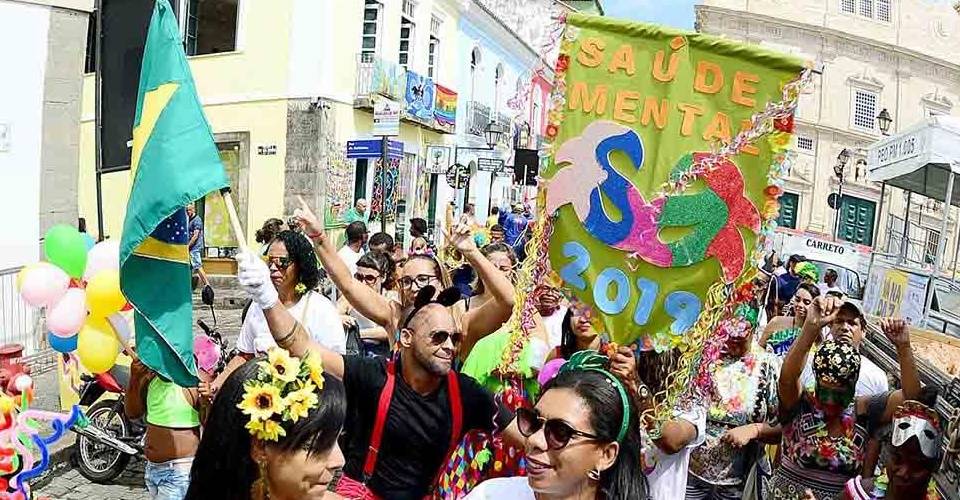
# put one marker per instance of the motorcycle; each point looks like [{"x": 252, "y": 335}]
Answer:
[{"x": 104, "y": 446}]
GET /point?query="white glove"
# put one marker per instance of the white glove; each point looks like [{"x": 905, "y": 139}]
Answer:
[
  {"x": 538, "y": 352},
  {"x": 254, "y": 277}
]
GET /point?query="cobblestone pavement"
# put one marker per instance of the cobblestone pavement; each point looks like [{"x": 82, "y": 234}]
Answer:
[{"x": 63, "y": 480}]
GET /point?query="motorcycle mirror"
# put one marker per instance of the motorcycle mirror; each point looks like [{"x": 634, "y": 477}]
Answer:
[{"x": 207, "y": 295}]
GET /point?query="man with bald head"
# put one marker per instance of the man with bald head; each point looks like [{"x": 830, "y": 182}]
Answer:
[
  {"x": 358, "y": 212},
  {"x": 428, "y": 406}
]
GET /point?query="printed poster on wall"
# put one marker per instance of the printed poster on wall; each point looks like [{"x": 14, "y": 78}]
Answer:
[{"x": 663, "y": 161}]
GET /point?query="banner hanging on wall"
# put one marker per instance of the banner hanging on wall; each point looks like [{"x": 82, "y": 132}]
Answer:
[{"x": 682, "y": 137}]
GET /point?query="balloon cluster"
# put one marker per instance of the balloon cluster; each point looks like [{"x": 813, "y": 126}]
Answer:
[
  {"x": 79, "y": 285},
  {"x": 25, "y": 438}
]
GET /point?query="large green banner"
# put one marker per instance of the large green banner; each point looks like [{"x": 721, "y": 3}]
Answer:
[{"x": 665, "y": 149}]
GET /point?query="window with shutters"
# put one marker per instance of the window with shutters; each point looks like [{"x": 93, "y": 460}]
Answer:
[
  {"x": 931, "y": 246},
  {"x": 883, "y": 10},
  {"x": 371, "y": 29},
  {"x": 433, "y": 50},
  {"x": 866, "y": 8},
  {"x": 847, "y": 6},
  {"x": 863, "y": 115},
  {"x": 406, "y": 34},
  {"x": 789, "y": 203}
]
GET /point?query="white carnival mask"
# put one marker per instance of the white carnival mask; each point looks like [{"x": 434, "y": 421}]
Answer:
[{"x": 914, "y": 419}]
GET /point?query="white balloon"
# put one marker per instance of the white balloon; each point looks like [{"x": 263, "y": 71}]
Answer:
[
  {"x": 103, "y": 255},
  {"x": 67, "y": 316},
  {"x": 44, "y": 285}
]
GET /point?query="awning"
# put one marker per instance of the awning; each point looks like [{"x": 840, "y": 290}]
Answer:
[{"x": 919, "y": 159}]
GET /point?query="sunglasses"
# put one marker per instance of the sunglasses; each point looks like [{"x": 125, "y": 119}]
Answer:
[
  {"x": 440, "y": 337},
  {"x": 282, "y": 263},
  {"x": 556, "y": 432},
  {"x": 421, "y": 280},
  {"x": 370, "y": 279}
]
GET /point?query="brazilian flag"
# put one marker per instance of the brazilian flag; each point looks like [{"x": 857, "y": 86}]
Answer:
[{"x": 174, "y": 162}]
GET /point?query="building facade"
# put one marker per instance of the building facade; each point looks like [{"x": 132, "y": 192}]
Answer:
[{"x": 870, "y": 55}]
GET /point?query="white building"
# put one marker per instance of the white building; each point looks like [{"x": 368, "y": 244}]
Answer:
[
  {"x": 43, "y": 63},
  {"x": 894, "y": 55}
]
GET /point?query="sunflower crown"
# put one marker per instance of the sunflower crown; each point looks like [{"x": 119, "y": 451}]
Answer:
[{"x": 285, "y": 389}]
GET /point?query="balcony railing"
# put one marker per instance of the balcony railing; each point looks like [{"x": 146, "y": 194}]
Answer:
[
  {"x": 478, "y": 117},
  {"x": 376, "y": 76}
]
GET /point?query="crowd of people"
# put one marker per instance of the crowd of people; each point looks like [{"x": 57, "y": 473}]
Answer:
[{"x": 367, "y": 390}]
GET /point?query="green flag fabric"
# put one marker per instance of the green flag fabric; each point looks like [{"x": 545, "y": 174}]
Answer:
[
  {"x": 664, "y": 150},
  {"x": 174, "y": 162}
]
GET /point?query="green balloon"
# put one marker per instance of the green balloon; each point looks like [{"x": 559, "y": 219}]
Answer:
[{"x": 65, "y": 248}]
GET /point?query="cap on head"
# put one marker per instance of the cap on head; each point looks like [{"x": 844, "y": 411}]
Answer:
[{"x": 837, "y": 363}]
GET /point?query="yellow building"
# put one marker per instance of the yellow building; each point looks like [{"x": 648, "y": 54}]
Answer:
[{"x": 285, "y": 84}]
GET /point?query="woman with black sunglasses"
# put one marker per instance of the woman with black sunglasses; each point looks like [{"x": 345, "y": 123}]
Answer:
[
  {"x": 582, "y": 440},
  {"x": 295, "y": 275}
]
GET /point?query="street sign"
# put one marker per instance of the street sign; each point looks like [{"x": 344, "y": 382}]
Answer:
[
  {"x": 489, "y": 164},
  {"x": 458, "y": 175},
  {"x": 373, "y": 148},
  {"x": 833, "y": 200},
  {"x": 386, "y": 117}
]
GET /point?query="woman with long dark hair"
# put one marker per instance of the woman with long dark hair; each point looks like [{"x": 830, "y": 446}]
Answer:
[
  {"x": 271, "y": 437},
  {"x": 782, "y": 331},
  {"x": 582, "y": 440},
  {"x": 295, "y": 275}
]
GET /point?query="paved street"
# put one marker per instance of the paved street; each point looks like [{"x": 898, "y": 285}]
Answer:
[{"x": 63, "y": 480}]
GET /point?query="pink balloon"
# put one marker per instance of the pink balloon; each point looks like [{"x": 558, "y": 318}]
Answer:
[
  {"x": 44, "y": 284},
  {"x": 66, "y": 317},
  {"x": 104, "y": 255}
]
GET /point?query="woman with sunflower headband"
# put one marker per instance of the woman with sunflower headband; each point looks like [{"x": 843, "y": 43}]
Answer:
[
  {"x": 294, "y": 275},
  {"x": 272, "y": 432},
  {"x": 825, "y": 432}
]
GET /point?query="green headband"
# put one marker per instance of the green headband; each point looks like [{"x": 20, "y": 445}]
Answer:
[{"x": 595, "y": 362}]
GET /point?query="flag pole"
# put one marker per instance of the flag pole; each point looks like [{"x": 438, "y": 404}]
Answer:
[{"x": 234, "y": 219}]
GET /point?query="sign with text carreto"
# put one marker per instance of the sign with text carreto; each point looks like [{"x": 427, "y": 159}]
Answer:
[{"x": 665, "y": 149}]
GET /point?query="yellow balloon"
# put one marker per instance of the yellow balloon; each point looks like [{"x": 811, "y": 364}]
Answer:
[
  {"x": 103, "y": 294},
  {"x": 97, "y": 346}
]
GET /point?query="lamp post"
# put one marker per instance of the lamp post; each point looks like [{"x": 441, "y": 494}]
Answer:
[
  {"x": 838, "y": 169},
  {"x": 884, "y": 120},
  {"x": 492, "y": 133}
]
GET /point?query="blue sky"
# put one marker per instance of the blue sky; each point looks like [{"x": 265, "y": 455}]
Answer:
[{"x": 676, "y": 13}]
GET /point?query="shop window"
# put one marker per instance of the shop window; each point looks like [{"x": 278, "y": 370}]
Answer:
[{"x": 218, "y": 237}]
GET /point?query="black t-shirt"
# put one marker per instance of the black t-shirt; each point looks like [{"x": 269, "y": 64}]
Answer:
[{"x": 416, "y": 434}]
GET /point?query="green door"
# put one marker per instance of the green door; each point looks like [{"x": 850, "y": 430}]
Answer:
[
  {"x": 788, "y": 210},
  {"x": 856, "y": 220}
]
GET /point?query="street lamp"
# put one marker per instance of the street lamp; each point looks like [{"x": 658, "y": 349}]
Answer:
[
  {"x": 838, "y": 169},
  {"x": 492, "y": 133},
  {"x": 884, "y": 120}
]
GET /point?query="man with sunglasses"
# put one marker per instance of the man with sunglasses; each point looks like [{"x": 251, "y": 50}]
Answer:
[{"x": 425, "y": 407}]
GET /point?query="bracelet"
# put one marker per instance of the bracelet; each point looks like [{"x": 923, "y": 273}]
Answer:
[
  {"x": 285, "y": 341},
  {"x": 315, "y": 235}
]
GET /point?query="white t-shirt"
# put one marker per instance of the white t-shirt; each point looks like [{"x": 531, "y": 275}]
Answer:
[
  {"x": 350, "y": 257},
  {"x": 825, "y": 288},
  {"x": 668, "y": 481},
  {"x": 321, "y": 321},
  {"x": 872, "y": 379},
  {"x": 501, "y": 488},
  {"x": 554, "y": 326}
]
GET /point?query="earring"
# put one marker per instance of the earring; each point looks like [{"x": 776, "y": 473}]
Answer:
[
  {"x": 259, "y": 490},
  {"x": 594, "y": 474}
]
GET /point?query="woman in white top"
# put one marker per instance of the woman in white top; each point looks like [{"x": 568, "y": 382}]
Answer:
[
  {"x": 582, "y": 440},
  {"x": 295, "y": 274}
]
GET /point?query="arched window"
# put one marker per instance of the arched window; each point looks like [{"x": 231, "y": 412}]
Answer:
[
  {"x": 474, "y": 68},
  {"x": 497, "y": 87}
]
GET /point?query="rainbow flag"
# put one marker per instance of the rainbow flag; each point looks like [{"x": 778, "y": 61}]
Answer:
[{"x": 446, "y": 108}]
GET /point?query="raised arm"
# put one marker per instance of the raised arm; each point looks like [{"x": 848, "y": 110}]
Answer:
[
  {"x": 289, "y": 334},
  {"x": 822, "y": 311},
  {"x": 898, "y": 332},
  {"x": 493, "y": 314},
  {"x": 363, "y": 298}
]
